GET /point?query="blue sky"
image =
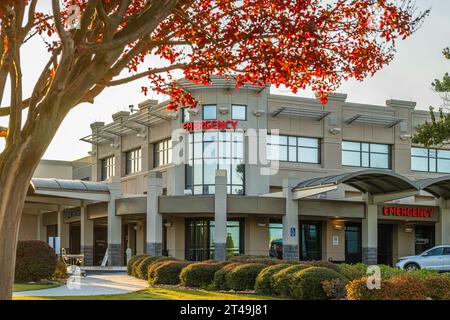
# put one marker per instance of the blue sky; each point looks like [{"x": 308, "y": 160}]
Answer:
[{"x": 418, "y": 61}]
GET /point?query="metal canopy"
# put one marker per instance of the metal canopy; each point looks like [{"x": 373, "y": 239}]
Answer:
[
  {"x": 316, "y": 113},
  {"x": 371, "y": 181},
  {"x": 68, "y": 185},
  {"x": 134, "y": 123},
  {"x": 388, "y": 121},
  {"x": 438, "y": 187}
]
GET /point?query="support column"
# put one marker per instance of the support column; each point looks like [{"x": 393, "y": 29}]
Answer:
[
  {"x": 63, "y": 230},
  {"x": 114, "y": 225},
  {"x": 41, "y": 234},
  {"x": 154, "y": 218},
  {"x": 86, "y": 236},
  {"x": 290, "y": 222},
  {"x": 220, "y": 215},
  {"x": 442, "y": 227},
  {"x": 369, "y": 232}
]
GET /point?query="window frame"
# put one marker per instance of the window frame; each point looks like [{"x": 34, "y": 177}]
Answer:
[
  {"x": 106, "y": 167},
  {"x": 166, "y": 149},
  {"x": 135, "y": 160},
  {"x": 297, "y": 147},
  {"x": 429, "y": 159},
  {"x": 245, "y": 112},
  {"x": 203, "y": 111},
  {"x": 368, "y": 152}
]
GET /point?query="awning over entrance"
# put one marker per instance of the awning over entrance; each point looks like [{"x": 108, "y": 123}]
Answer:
[
  {"x": 370, "y": 181},
  {"x": 75, "y": 189},
  {"x": 438, "y": 187}
]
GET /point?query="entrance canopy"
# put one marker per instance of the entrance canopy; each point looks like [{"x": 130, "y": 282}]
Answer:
[
  {"x": 438, "y": 187},
  {"x": 74, "y": 189},
  {"x": 370, "y": 181}
]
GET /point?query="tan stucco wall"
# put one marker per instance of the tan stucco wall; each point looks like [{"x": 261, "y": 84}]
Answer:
[
  {"x": 335, "y": 252},
  {"x": 257, "y": 236},
  {"x": 176, "y": 237},
  {"x": 28, "y": 227}
]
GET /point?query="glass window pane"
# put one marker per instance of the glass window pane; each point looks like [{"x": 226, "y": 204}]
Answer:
[
  {"x": 382, "y": 148},
  {"x": 364, "y": 159},
  {"x": 281, "y": 140},
  {"x": 379, "y": 160},
  {"x": 238, "y": 174},
  {"x": 443, "y": 165},
  {"x": 292, "y": 141},
  {"x": 209, "y": 172},
  {"x": 432, "y": 164},
  {"x": 282, "y": 153},
  {"x": 209, "y": 112},
  {"x": 432, "y": 152},
  {"x": 308, "y": 142},
  {"x": 293, "y": 154},
  {"x": 365, "y": 147},
  {"x": 419, "y": 164},
  {"x": 423, "y": 152},
  {"x": 443, "y": 154},
  {"x": 198, "y": 175},
  {"x": 239, "y": 112},
  {"x": 355, "y": 146},
  {"x": 308, "y": 155},
  {"x": 351, "y": 158}
]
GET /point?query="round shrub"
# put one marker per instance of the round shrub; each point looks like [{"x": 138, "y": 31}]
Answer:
[
  {"x": 437, "y": 287},
  {"x": 352, "y": 271},
  {"x": 155, "y": 264},
  {"x": 35, "y": 261},
  {"x": 132, "y": 261},
  {"x": 307, "y": 283},
  {"x": 142, "y": 267},
  {"x": 358, "y": 290},
  {"x": 323, "y": 264},
  {"x": 407, "y": 287},
  {"x": 166, "y": 272},
  {"x": 200, "y": 274},
  {"x": 255, "y": 259},
  {"x": 242, "y": 277},
  {"x": 134, "y": 266},
  {"x": 220, "y": 281},
  {"x": 282, "y": 279},
  {"x": 335, "y": 288},
  {"x": 264, "y": 280}
]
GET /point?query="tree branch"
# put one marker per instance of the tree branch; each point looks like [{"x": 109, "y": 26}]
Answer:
[{"x": 145, "y": 74}]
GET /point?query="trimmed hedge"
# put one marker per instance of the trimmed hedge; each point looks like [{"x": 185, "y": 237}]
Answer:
[
  {"x": 323, "y": 264},
  {"x": 166, "y": 272},
  {"x": 282, "y": 279},
  {"x": 352, "y": 271},
  {"x": 144, "y": 264},
  {"x": 307, "y": 283},
  {"x": 243, "y": 277},
  {"x": 264, "y": 280},
  {"x": 220, "y": 281},
  {"x": 255, "y": 259},
  {"x": 134, "y": 267},
  {"x": 437, "y": 287},
  {"x": 132, "y": 261},
  {"x": 200, "y": 274},
  {"x": 35, "y": 261}
]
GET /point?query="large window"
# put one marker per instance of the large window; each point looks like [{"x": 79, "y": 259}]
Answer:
[
  {"x": 162, "y": 153},
  {"x": 209, "y": 112},
  {"x": 239, "y": 112},
  {"x": 370, "y": 155},
  {"x": 430, "y": 160},
  {"x": 108, "y": 167},
  {"x": 213, "y": 150},
  {"x": 134, "y": 158},
  {"x": 293, "y": 149}
]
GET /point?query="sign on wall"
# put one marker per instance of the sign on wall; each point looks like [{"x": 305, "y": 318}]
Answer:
[
  {"x": 210, "y": 125},
  {"x": 416, "y": 213}
]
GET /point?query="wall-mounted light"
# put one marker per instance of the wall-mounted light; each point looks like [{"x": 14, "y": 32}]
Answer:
[
  {"x": 408, "y": 230},
  {"x": 223, "y": 110},
  {"x": 141, "y": 135},
  {"x": 261, "y": 224},
  {"x": 114, "y": 145},
  {"x": 335, "y": 131},
  {"x": 405, "y": 137},
  {"x": 168, "y": 224},
  {"x": 258, "y": 112},
  {"x": 337, "y": 226}
]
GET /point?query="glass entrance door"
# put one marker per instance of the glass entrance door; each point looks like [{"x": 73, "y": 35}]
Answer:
[
  {"x": 310, "y": 241},
  {"x": 353, "y": 243},
  {"x": 384, "y": 252},
  {"x": 425, "y": 238}
]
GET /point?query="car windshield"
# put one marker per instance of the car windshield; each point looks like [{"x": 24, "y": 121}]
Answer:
[{"x": 434, "y": 252}]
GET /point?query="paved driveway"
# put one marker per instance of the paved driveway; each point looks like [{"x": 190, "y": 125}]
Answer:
[{"x": 92, "y": 285}]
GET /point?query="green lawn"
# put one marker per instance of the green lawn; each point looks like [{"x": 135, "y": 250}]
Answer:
[
  {"x": 34, "y": 286},
  {"x": 161, "y": 294}
]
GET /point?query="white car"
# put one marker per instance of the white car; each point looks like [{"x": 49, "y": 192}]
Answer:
[{"x": 437, "y": 258}]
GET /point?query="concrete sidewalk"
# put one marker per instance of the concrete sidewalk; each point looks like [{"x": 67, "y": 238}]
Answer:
[{"x": 92, "y": 285}]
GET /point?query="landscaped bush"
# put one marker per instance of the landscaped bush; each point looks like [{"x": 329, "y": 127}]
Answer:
[
  {"x": 282, "y": 279},
  {"x": 220, "y": 281},
  {"x": 323, "y": 264},
  {"x": 134, "y": 266},
  {"x": 242, "y": 277},
  {"x": 335, "y": 288},
  {"x": 388, "y": 272},
  {"x": 352, "y": 271},
  {"x": 255, "y": 259},
  {"x": 264, "y": 280},
  {"x": 142, "y": 267},
  {"x": 200, "y": 274},
  {"x": 166, "y": 272},
  {"x": 60, "y": 270},
  {"x": 358, "y": 290},
  {"x": 437, "y": 287},
  {"x": 132, "y": 261},
  {"x": 307, "y": 283},
  {"x": 35, "y": 261}
]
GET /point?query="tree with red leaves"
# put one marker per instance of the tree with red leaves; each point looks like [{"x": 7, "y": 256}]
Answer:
[{"x": 295, "y": 43}]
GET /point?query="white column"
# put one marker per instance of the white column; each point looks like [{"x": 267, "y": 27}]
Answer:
[
  {"x": 63, "y": 229},
  {"x": 41, "y": 234},
  {"x": 114, "y": 225},
  {"x": 154, "y": 218},
  {"x": 443, "y": 225},
  {"x": 87, "y": 236},
  {"x": 290, "y": 222},
  {"x": 220, "y": 215},
  {"x": 369, "y": 230}
]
